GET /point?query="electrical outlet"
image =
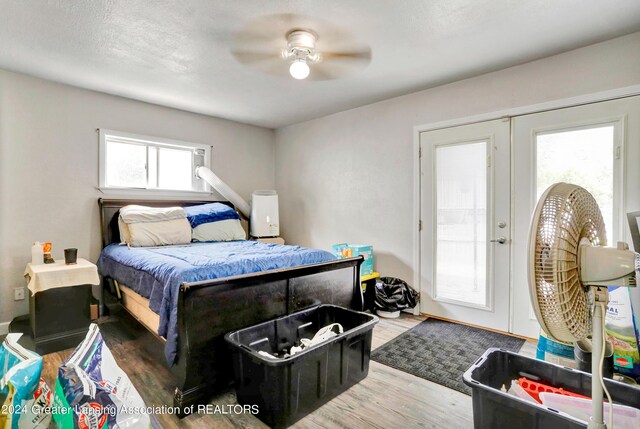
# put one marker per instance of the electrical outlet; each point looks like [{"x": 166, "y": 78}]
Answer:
[{"x": 18, "y": 294}]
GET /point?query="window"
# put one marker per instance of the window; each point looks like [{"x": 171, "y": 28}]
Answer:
[{"x": 129, "y": 161}]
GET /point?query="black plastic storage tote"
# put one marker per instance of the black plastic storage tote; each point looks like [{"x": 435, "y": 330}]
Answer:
[
  {"x": 286, "y": 389},
  {"x": 493, "y": 408}
]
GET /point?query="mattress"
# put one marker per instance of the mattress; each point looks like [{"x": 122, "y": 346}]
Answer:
[{"x": 157, "y": 272}]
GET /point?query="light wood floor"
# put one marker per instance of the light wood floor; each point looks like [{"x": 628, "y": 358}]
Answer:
[{"x": 387, "y": 398}]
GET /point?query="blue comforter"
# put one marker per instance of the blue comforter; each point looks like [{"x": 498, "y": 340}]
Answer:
[{"x": 157, "y": 272}]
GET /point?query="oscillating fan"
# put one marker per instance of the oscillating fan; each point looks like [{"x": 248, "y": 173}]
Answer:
[{"x": 569, "y": 271}]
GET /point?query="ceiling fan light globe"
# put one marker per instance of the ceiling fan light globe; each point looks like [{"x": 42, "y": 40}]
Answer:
[{"x": 299, "y": 69}]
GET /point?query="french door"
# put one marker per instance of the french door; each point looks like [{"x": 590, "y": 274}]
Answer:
[
  {"x": 465, "y": 199},
  {"x": 596, "y": 146},
  {"x": 479, "y": 186}
]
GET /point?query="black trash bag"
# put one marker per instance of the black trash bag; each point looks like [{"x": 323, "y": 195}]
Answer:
[{"x": 394, "y": 294}]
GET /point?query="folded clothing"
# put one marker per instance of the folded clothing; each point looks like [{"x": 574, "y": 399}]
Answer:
[
  {"x": 207, "y": 213},
  {"x": 140, "y": 214}
]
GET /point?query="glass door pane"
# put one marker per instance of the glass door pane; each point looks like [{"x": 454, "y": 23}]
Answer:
[
  {"x": 583, "y": 157},
  {"x": 461, "y": 228}
]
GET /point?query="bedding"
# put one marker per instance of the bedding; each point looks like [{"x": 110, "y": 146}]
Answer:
[
  {"x": 162, "y": 233},
  {"x": 134, "y": 213},
  {"x": 125, "y": 237},
  {"x": 153, "y": 226},
  {"x": 207, "y": 213},
  {"x": 157, "y": 272},
  {"x": 224, "y": 230}
]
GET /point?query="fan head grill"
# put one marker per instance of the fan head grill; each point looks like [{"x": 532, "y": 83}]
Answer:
[{"x": 565, "y": 215}]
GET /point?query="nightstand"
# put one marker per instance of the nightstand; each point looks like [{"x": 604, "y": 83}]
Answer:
[{"x": 59, "y": 305}]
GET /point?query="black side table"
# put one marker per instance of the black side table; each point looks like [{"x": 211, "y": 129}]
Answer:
[{"x": 59, "y": 312}]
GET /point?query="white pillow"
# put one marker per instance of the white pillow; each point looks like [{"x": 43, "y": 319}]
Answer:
[
  {"x": 146, "y": 234},
  {"x": 223, "y": 230},
  {"x": 153, "y": 226},
  {"x": 135, "y": 214},
  {"x": 125, "y": 236}
]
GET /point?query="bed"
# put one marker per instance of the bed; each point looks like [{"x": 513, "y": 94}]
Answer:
[{"x": 188, "y": 300}]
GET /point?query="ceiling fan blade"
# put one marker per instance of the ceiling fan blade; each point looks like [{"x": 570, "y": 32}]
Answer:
[
  {"x": 253, "y": 57},
  {"x": 266, "y": 32},
  {"x": 364, "y": 55},
  {"x": 265, "y": 62},
  {"x": 354, "y": 60},
  {"x": 335, "y": 65},
  {"x": 319, "y": 73},
  {"x": 324, "y": 71}
]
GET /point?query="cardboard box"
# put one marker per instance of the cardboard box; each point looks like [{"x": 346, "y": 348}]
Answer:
[{"x": 346, "y": 250}]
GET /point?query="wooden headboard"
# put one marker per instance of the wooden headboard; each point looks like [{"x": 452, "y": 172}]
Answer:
[{"x": 109, "y": 211}]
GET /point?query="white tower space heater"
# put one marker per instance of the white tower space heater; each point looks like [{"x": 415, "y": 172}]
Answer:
[{"x": 264, "y": 214}]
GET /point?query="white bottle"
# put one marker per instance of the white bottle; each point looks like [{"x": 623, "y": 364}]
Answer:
[{"x": 37, "y": 254}]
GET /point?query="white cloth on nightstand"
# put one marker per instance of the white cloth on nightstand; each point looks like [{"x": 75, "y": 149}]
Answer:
[{"x": 42, "y": 277}]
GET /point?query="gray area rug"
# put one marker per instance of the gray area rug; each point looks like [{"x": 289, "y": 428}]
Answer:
[{"x": 441, "y": 351}]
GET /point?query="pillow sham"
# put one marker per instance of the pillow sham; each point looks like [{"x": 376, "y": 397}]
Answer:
[
  {"x": 162, "y": 233},
  {"x": 142, "y": 226},
  {"x": 136, "y": 214},
  {"x": 224, "y": 230},
  {"x": 125, "y": 236},
  {"x": 207, "y": 213}
]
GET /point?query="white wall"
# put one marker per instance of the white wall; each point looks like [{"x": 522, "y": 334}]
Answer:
[
  {"x": 49, "y": 165},
  {"x": 349, "y": 176}
]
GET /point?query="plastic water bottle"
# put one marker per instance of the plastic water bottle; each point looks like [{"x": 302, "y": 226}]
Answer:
[{"x": 37, "y": 254}]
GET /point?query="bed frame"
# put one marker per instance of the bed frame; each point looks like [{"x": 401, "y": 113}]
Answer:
[{"x": 207, "y": 310}]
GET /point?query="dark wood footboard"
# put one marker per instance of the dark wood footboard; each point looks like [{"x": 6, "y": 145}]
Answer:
[{"x": 208, "y": 310}]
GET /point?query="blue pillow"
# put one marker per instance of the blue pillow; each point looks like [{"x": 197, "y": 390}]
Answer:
[{"x": 207, "y": 213}]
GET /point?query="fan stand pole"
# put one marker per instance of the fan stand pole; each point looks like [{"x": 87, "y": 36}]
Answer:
[{"x": 597, "y": 421}]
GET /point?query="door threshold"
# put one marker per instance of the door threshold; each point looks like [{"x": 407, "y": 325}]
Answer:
[{"x": 522, "y": 337}]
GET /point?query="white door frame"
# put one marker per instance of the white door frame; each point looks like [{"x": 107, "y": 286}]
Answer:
[{"x": 562, "y": 103}]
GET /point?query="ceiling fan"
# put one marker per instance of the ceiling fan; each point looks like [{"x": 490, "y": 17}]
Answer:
[
  {"x": 277, "y": 44},
  {"x": 300, "y": 51}
]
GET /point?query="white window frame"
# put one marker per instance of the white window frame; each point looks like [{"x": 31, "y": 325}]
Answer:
[{"x": 106, "y": 134}]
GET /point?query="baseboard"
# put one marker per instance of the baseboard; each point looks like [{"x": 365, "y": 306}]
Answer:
[{"x": 4, "y": 328}]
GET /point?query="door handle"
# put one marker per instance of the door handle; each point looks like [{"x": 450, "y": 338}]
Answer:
[{"x": 499, "y": 240}]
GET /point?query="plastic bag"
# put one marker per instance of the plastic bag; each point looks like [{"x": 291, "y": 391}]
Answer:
[
  {"x": 25, "y": 398},
  {"x": 91, "y": 390},
  {"x": 324, "y": 334},
  {"x": 624, "y": 417},
  {"x": 394, "y": 294},
  {"x": 624, "y": 331},
  {"x": 558, "y": 352}
]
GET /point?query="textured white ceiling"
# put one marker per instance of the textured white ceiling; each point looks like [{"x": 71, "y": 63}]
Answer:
[{"x": 178, "y": 52}]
